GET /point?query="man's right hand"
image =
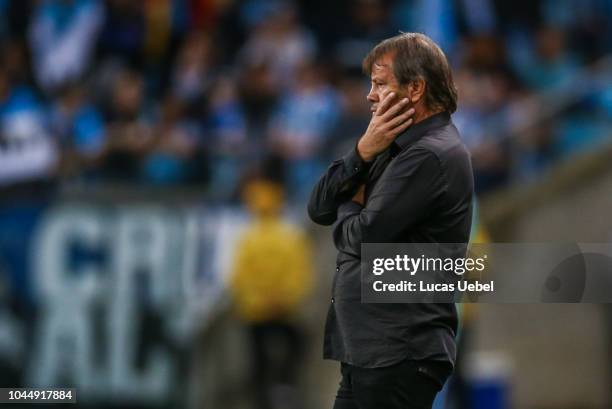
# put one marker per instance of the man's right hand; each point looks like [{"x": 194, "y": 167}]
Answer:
[{"x": 389, "y": 120}]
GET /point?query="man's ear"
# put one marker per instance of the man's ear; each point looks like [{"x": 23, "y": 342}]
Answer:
[{"x": 416, "y": 90}]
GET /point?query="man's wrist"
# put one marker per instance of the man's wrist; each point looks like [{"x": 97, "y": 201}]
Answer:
[
  {"x": 363, "y": 155},
  {"x": 354, "y": 164}
]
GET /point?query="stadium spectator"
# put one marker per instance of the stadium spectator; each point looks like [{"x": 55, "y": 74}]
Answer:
[
  {"x": 277, "y": 38},
  {"x": 27, "y": 151},
  {"x": 192, "y": 77},
  {"x": 353, "y": 117},
  {"x": 226, "y": 135},
  {"x": 552, "y": 65},
  {"x": 129, "y": 130},
  {"x": 173, "y": 157},
  {"x": 303, "y": 120},
  {"x": 79, "y": 129},
  {"x": 366, "y": 26},
  {"x": 122, "y": 36}
]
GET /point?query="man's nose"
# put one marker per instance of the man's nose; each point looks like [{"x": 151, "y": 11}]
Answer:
[{"x": 372, "y": 96}]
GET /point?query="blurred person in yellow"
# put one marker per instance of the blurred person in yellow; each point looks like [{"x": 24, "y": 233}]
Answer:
[{"x": 271, "y": 279}]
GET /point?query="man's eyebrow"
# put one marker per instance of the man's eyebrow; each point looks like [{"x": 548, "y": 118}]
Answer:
[{"x": 374, "y": 76}]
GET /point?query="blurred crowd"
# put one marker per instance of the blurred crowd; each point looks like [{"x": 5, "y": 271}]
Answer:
[{"x": 200, "y": 92}]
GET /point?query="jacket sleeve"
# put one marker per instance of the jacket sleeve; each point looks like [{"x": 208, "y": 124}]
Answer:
[
  {"x": 336, "y": 186},
  {"x": 402, "y": 198}
]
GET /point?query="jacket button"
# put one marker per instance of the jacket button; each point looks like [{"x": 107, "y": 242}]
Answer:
[
  {"x": 356, "y": 169},
  {"x": 337, "y": 269},
  {"x": 333, "y": 300}
]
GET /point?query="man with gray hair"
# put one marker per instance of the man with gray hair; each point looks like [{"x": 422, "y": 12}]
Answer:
[{"x": 407, "y": 180}]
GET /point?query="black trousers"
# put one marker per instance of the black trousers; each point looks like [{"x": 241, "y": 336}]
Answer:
[
  {"x": 407, "y": 385},
  {"x": 277, "y": 351}
]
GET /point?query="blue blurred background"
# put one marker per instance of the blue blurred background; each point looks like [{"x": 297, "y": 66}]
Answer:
[{"x": 155, "y": 160}]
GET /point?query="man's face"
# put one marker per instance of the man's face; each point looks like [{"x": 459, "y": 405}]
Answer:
[{"x": 383, "y": 82}]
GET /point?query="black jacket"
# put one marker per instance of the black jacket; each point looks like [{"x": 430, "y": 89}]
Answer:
[{"x": 419, "y": 190}]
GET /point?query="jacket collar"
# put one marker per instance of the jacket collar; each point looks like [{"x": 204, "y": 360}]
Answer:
[{"x": 414, "y": 132}]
